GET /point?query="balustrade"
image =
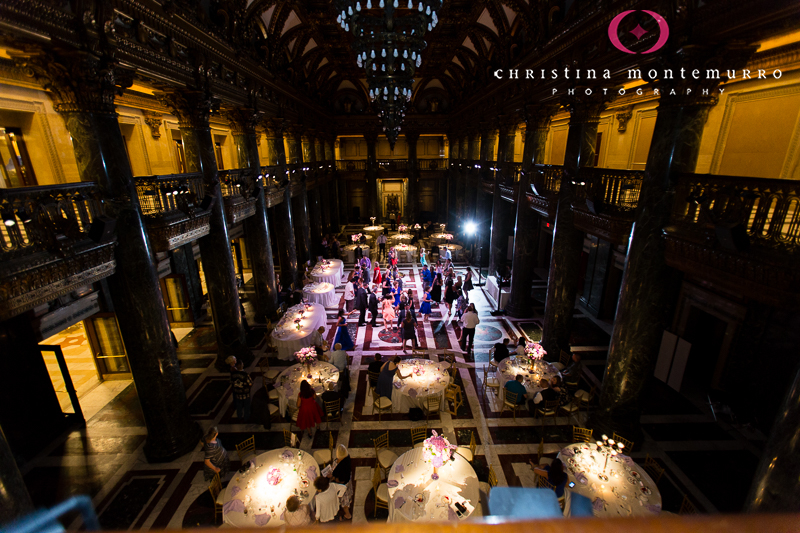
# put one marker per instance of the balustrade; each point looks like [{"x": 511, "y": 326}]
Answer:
[
  {"x": 547, "y": 179},
  {"x": 172, "y": 192},
  {"x": 617, "y": 190}
]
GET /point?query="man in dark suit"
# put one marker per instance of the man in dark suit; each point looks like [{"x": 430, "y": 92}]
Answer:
[
  {"x": 501, "y": 350},
  {"x": 373, "y": 307},
  {"x": 361, "y": 305}
]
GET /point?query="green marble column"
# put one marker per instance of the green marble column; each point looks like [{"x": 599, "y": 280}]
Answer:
[
  {"x": 526, "y": 230},
  {"x": 452, "y": 182},
  {"x": 373, "y": 202},
  {"x": 243, "y": 123},
  {"x": 412, "y": 191},
  {"x": 87, "y": 104},
  {"x": 14, "y": 498},
  {"x": 284, "y": 224},
  {"x": 562, "y": 284},
  {"x": 302, "y": 230},
  {"x": 501, "y": 211},
  {"x": 193, "y": 109}
]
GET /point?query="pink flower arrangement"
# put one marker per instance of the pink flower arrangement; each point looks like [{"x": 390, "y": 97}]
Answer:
[
  {"x": 306, "y": 355},
  {"x": 417, "y": 226},
  {"x": 274, "y": 476},
  {"x": 534, "y": 351},
  {"x": 356, "y": 236},
  {"x": 437, "y": 450},
  {"x": 402, "y": 228},
  {"x": 447, "y": 236}
]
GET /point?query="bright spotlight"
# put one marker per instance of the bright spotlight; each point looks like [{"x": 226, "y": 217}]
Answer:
[{"x": 471, "y": 228}]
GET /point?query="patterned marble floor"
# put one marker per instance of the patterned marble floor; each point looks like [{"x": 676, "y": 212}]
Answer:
[{"x": 105, "y": 459}]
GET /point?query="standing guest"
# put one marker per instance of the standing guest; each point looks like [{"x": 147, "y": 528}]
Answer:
[
  {"x": 297, "y": 514},
  {"x": 436, "y": 291},
  {"x": 343, "y": 474},
  {"x": 515, "y": 385},
  {"x": 309, "y": 414},
  {"x": 342, "y": 335},
  {"x": 449, "y": 294},
  {"x": 358, "y": 253},
  {"x": 363, "y": 239},
  {"x": 468, "y": 281},
  {"x": 338, "y": 357},
  {"x": 349, "y": 296},
  {"x": 317, "y": 338},
  {"x": 427, "y": 276},
  {"x": 410, "y": 306},
  {"x": 327, "y": 498},
  {"x": 372, "y": 304},
  {"x": 501, "y": 350},
  {"x": 387, "y": 287},
  {"x": 396, "y": 292},
  {"x": 425, "y": 305},
  {"x": 375, "y": 366},
  {"x": 448, "y": 256},
  {"x": 401, "y": 315},
  {"x": 393, "y": 257},
  {"x": 471, "y": 321},
  {"x": 231, "y": 362},
  {"x": 458, "y": 286},
  {"x": 423, "y": 257},
  {"x": 376, "y": 274},
  {"x": 335, "y": 251},
  {"x": 387, "y": 310},
  {"x": 326, "y": 250},
  {"x": 361, "y": 304},
  {"x": 215, "y": 456},
  {"x": 386, "y": 378},
  {"x": 241, "y": 382},
  {"x": 409, "y": 332},
  {"x": 366, "y": 264},
  {"x": 381, "y": 245},
  {"x": 554, "y": 472},
  {"x": 461, "y": 305}
]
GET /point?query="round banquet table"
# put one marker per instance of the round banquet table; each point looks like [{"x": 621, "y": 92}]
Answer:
[
  {"x": 428, "y": 379},
  {"x": 455, "y": 250},
  {"x": 438, "y": 238},
  {"x": 402, "y": 237},
  {"x": 321, "y": 293},
  {"x": 350, "y": 252},
  {"x": 287, "y": 339},
  {"x": 410, "y": 253},
  {"x": 509, "y": 368},
  {"x": 288, "y": 382},
  {"x": 457, "y": 481},
  {"x": 265, "y": 503},
  {"x": 624, "y": 494},
  {"x": 373, "y": 229},
  {"x": 331, "y": 273}
]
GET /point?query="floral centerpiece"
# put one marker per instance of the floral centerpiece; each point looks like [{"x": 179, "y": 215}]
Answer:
[
  {"x": 447, "y": 236},
  {"x": 306, "y": 355},
  {"x": 437, "y": 450},
  {"x": 402, "y": 228},
  {"x": 372, "y": 220},
  {"x": 417, "y": 226},
  {"x": 356, "y": 237},
  {"x": 534, "y": 352},
  {"x": 274, "y": 476}
]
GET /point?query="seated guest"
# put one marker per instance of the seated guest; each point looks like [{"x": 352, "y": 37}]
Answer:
[
  {"x": 297, "y": 514},
  {"x": 330, "y": 395},
  {"x": 572, "y": 373},
  {"x": 521, "y": 346},
  {"x": 501, "y": 350},
  {"x": 545, "y": 395},
  {"x": 554, "y": 472},
  {"x": 564, "y": 397},
  {"x": 338, "y": 357},
  {"x": 375, "y": 367},
  {"x": 327, "y": 498},
  {"x": 516, "y": 386},
  {"x": 316, "y": 337}
]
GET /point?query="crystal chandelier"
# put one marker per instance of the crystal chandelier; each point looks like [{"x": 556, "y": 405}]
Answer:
[{"x": 389, "y": 48}]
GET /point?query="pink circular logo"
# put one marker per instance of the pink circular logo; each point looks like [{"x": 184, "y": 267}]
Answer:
[{"x": 638, "y": 31}]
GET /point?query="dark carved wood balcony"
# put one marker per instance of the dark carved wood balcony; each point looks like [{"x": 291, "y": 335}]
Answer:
[
  {"x": 238, "y": 208},
  {"x": 171, "y": 208},
  {"x": 741, "y": 234},
  {"x": 45, "y": 249},
  {"x": 544, "y": 189},
  {"x": 606, "y": 201}
]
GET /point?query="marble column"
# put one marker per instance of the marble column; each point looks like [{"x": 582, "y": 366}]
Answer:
[
  {"x": 452, "y": 182},
  {"x": 14, "y": 498},
  {"x": 315, "y": 221},
  {"x": 256, "y": 228},
  {"x": 649, "y": 287},
  {"x": 562, "y": 284},
  {"x": 183, "y": 263},
  {"x": 344, "y": 205},
  {"x": 412, "y": 191},
  {"x": 483, "y": 229},
  {"x": 193, "y": 109},
  {"x": 325, "y": 201},
  {"x": 333, "y": 198},
  {"x": 526, "y": 230},
  {"x": 284, "y": 224},
  {"x": 87, "y": 105},
  {"x": 498, "y": 239},
  {"x": 302, "y": 231},
  {"x": 472, "y": 178},
  {"x": 373, "y": 201}
]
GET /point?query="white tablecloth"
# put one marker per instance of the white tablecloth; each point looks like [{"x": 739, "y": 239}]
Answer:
[
  {"x": 402, "y": 237},
  {"x": 624, "y": 492},
  {"x": 350, "y": 252},
  {"x": 438, "y": 238},
  {"x": 494, "y": 291},
  {"x": 330, "y": 273},
  {"x": 406, "y": 253},
  {"x": 373, "y": 229},
  {"x": 259, "y": 498},
  {"x": 455, "y": 250},
  {"x": 457, "y": 481},
  {"x": 431, "y": 382},
  {"x": 321, "y": 293},
  {"x": 288, "y": 382},
  {"x": 509, "y": 368},
  {"x": 287, "y": 338}
]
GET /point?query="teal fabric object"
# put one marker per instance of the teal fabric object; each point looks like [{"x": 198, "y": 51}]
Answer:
[{"x": 519, "y": 502}]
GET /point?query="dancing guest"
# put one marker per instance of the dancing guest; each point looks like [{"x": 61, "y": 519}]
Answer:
[
  {"x": 427, "y": 276},
  {"x": 376, "y": 276},
  {"x": 409, "y": 332},
  {"x": 387, "y": 310},
  {"x": 436, "y": 291},
  {"x": 350, "y": 295},
  {"x": 468, "y": 282},
  {"x": 423, "y": 257},
  {"x": 386, "y": 292},
  {"x": 372, "y": 305},
  {"x": 342, "y": 335},
  {"x": 425, "y": 305},
  {"x": 396, "y": 292}
]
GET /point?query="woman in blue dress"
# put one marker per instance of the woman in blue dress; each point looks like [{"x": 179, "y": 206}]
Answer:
[
  {"x": 386, "y": 377},
  {"x": 425, "y": 306},
  {"x": 342, "y": 335},
  {"x": 397, "y": 293}
]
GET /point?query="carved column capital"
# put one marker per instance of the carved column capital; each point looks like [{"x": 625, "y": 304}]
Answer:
[
  {"x": 585, "y": 109},
  {"x": 274, "y": 127},
  {"x": 153, "y": 119},
  {"x": 192, "y": 108},
  {"x": 242, "y": 120},
  {"x": 78, "y": 81},
  {"x": 623, "y": 116},
  {"x": 538, "y": 116}
]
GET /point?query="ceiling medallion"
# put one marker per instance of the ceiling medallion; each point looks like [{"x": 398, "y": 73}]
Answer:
[{"x": 388, "y": 43}]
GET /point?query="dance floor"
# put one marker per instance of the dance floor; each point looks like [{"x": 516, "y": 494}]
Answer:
[{"x": 105, "y": 459}]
